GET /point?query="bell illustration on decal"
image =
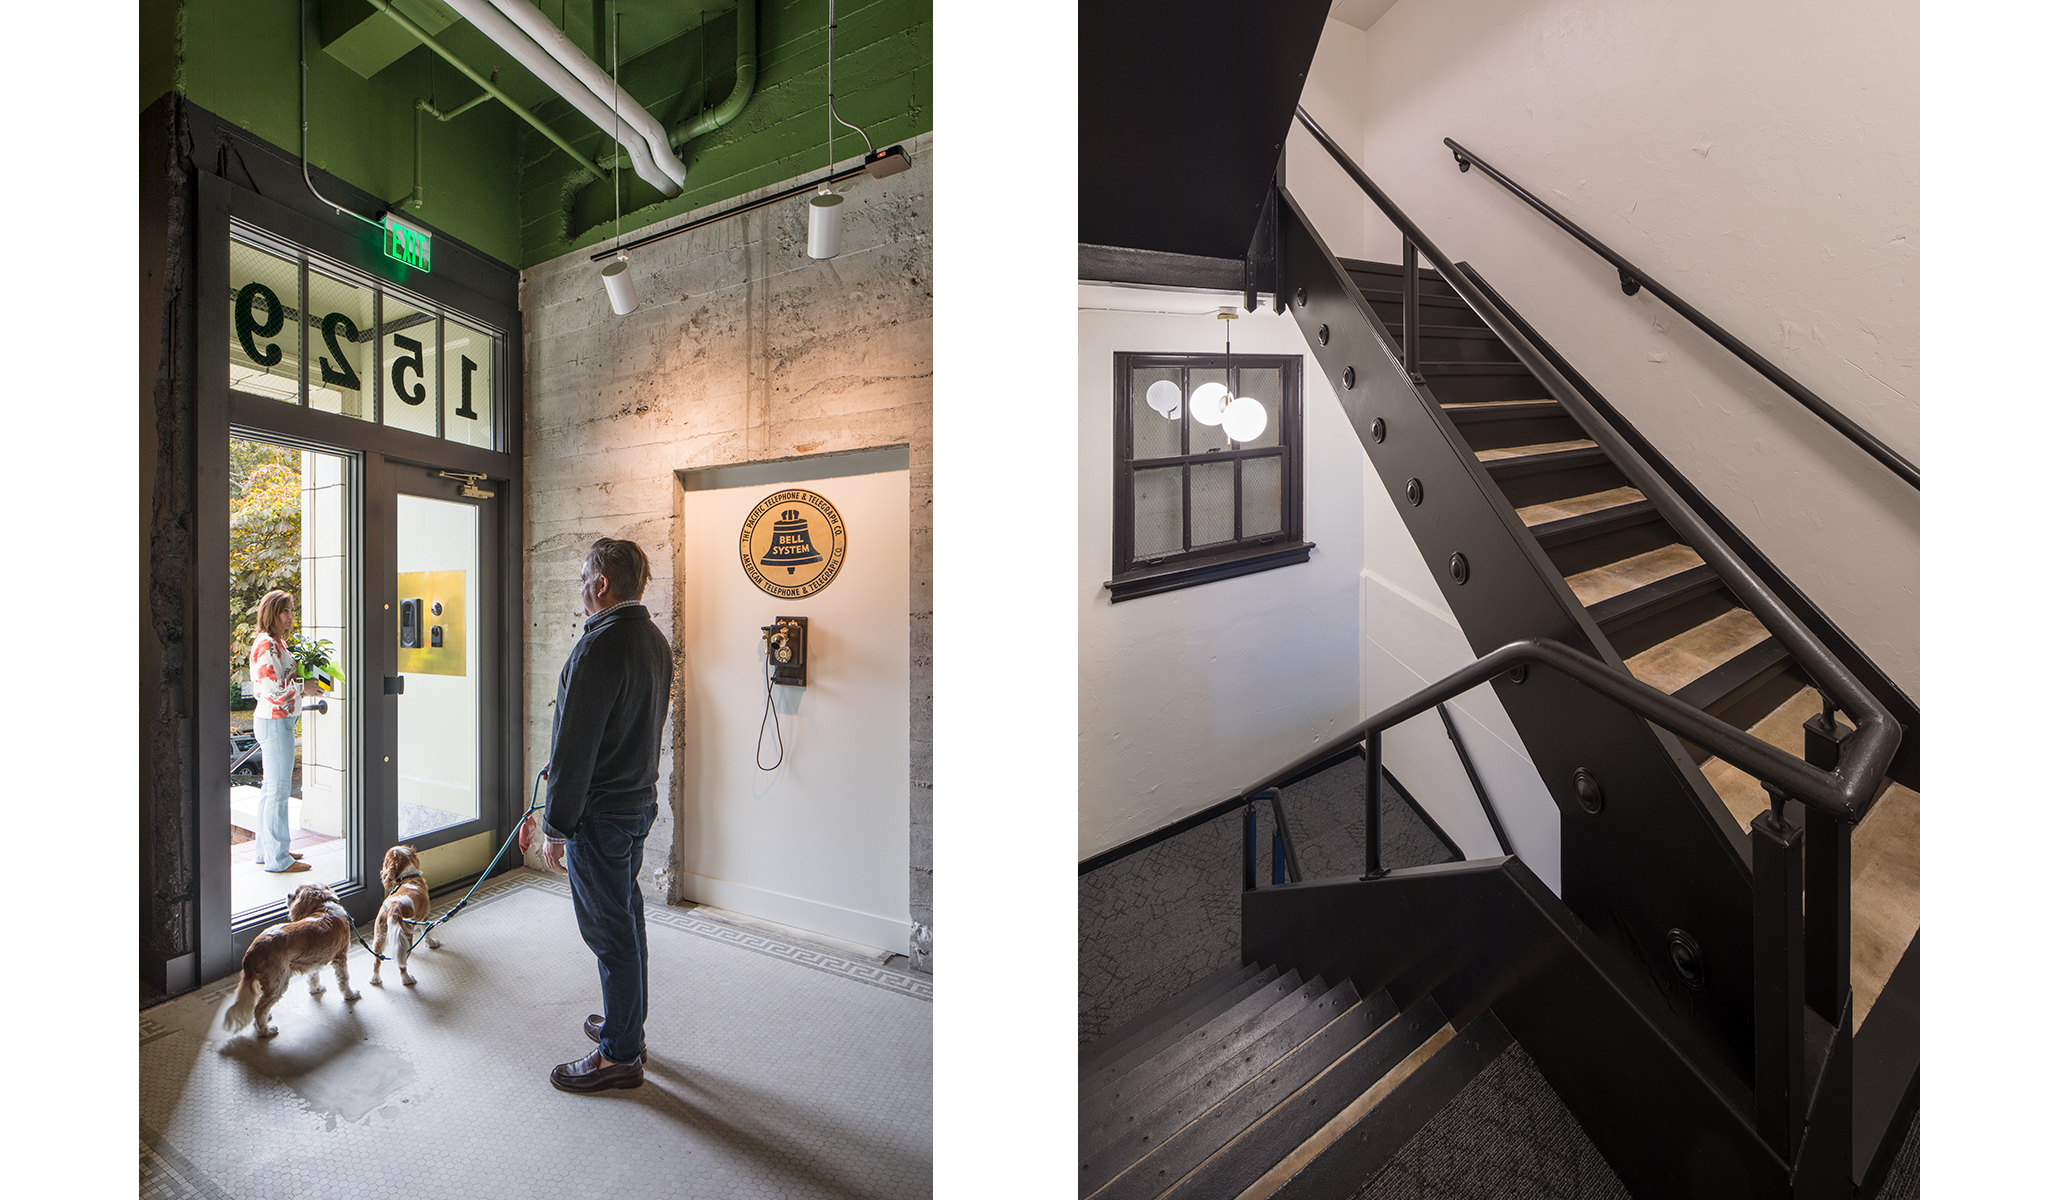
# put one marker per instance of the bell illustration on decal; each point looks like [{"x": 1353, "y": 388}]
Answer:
[{"x": 790, "y": 546}]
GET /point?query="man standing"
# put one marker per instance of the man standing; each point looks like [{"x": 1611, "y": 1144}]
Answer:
[{"x": 602, "y": 797}]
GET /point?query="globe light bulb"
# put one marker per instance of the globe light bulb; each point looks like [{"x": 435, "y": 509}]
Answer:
[
  {"x": 1244, "y": 419},
  {"x": 1207, "y": 403},
  {"x": 1164, "y": 397}
]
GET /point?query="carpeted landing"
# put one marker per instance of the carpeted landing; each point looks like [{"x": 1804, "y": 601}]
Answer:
[{"x": 776, "y": 1069}]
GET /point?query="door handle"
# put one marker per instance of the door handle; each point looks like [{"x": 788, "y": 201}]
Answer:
[{"x": 396, "y": 684}]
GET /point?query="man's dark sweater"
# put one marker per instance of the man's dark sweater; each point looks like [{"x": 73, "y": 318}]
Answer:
[{"x": 608, "y": 719}]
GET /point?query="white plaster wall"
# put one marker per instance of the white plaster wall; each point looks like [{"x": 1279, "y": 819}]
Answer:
[
  {"x": 1190, "y": 695},
  {"x": 742, "y": 350},
  {"x": 1335, "y": 94},
  {"x": 1411, "y": 640},
  {"x": 1760, "y": 158},
  {"x": 821, "y": 841}
]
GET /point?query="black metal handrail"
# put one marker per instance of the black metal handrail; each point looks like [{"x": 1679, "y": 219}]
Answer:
[
  {"x": 1631, "y": 279},
  {"x": 1829, "y": 791},
  {"x": 1848, "y": 793}
]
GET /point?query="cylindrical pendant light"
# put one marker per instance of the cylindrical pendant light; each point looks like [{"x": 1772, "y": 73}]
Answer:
[
  {"x": 615, "y": 276},
  {"x": 824, "y": 224}
]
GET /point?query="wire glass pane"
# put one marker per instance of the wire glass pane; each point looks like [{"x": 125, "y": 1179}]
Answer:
[
  {"x": 1156, "y": 512},
  {"x": 1265, "y": 385},
  {"x": 1210, "y": 492},
  {"x": 1152, "y": 434},
  {"x": 1204, "y": 437},
  {"x": 1260, "y": 496},
  {"x": 264, "y": 324}
]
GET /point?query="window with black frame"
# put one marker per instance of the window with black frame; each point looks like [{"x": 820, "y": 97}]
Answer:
[{"x": 1192, "y": 504}]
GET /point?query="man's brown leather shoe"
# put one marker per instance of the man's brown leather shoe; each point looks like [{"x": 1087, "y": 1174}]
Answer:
[
  {"x": 592, "y": 1027},
  {"x": 594, "y": 1074}
]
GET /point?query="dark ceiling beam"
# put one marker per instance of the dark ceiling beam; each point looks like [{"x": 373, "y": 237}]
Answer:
[{"x": 1184, "y": 110}]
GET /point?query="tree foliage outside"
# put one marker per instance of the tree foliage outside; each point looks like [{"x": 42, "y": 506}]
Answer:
[{"x": 264, "y": 536}]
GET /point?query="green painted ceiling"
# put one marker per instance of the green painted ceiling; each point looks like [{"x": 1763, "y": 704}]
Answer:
[{"x": 487, "y": 177}]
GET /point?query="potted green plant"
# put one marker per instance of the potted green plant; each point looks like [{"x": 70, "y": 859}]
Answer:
[{"x": 314, "y": 660}]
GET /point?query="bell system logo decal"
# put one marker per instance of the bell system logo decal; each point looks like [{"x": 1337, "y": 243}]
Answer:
[{"x": 793, "y": 544}]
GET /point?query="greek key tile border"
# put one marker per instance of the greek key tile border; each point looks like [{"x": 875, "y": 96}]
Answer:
[
  {"x": 816, "y": 959},
  {"x": 166, "y": 1175}
]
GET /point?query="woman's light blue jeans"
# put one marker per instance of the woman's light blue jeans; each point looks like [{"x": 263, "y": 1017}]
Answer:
[{"x": 276, "y": 744}]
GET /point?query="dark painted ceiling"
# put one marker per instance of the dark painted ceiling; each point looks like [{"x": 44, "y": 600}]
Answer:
[{"x": 1184, "y": 109}]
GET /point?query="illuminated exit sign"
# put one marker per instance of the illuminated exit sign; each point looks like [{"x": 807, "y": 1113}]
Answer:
[{"x": 406, "y": 244}]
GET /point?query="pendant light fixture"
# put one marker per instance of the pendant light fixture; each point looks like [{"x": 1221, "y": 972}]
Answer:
[
  {"x": 615, "y": 275},
  {"x": 1244, "y": 419},
  {"x": 825, "y": 207}
]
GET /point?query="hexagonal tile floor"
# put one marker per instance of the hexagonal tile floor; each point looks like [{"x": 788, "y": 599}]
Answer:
[{"x": 776, "y": 1069}]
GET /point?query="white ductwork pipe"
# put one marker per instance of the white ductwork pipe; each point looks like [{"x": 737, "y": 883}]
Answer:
[
  {"x": 548, "y": 70},
  {"x": 569, "y": 56}
]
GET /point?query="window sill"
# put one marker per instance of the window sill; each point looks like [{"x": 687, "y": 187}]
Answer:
[{"x": 1167, "y": 577}]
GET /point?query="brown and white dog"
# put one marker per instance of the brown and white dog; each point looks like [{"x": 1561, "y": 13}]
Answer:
[
  {"x": 316, "y": 934},
  {"x": 408, "y": 896}
]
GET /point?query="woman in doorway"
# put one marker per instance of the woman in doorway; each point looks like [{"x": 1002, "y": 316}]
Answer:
[{"x": 279, "y": 691}]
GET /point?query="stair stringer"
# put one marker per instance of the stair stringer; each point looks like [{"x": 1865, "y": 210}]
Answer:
[
  {"x": 1487, "y": 935},
  {"x": 1663, "y": 853}
]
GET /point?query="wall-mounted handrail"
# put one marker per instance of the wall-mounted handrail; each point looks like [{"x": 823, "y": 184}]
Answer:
[
  {"x": 1631, "y": 279},
  {"x": 1851, "y": 791}
]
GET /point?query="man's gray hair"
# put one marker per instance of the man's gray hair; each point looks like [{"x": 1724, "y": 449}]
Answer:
[{"x": 625, "y": 565}]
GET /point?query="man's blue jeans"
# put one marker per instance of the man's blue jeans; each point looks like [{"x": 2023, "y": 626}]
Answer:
[{"x": 602, "y": 858}]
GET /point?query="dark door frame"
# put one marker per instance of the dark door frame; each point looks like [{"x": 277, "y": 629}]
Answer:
[{"x": 387, "y": 456}]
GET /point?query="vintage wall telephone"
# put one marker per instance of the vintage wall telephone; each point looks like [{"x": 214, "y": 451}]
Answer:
[
  {"x": 786, "y": 643},
  {"x": 787, "y": 650}
]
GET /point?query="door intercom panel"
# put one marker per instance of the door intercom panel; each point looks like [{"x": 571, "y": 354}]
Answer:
[
  {"x": 411, "y": 624},
  {"x": 432, "y": 622},
  {"x": 787, "y": 650}
]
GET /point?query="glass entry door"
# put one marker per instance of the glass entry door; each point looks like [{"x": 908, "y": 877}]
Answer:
[
  {"x": 442, "y": 685},
  {"x": 291, "y": 779},
  {"x": 437, "y": 654}
]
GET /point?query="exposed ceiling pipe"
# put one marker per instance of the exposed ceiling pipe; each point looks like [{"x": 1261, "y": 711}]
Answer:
[
  {"x": 596, "y": 80},
  {"x": 504, "y": 33},
  {"x": 747, "y": 79}
]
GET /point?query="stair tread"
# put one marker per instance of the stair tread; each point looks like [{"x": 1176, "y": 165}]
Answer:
[
  {"x": 1430, "y": 329},
  {"x": 1577, "y": 506},
  {"x": 1109, "y": 1070},
  {"x": 1222, "y": 1034},
  {"x": 1292, "y": 1122},
  {"x": 1117, "y": 1144},
  {"x": 1533, "y": 451},
  {"x": 1096, "y": 1053},
  {"x": 1348, "y": 1117},
  {"x": 1503, "y": 408},
  {"x": 1883, "y": 860},
  {"x": 1694, "y": 653},
  {"x": 1594, "y": 586},
  {"x": 1181, "y": 1150},
  {"x": 1453, "y": 367}
]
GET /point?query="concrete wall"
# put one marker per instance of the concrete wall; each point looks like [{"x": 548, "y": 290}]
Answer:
[
  {"x": 1759, "y": 158},
  {"x": 743, "y": 350},
  {"x": 1188, "y": 695}
]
